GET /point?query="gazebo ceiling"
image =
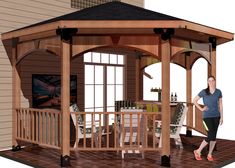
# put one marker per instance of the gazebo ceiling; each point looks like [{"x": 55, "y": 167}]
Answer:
[{"x": 121, "y": 18}]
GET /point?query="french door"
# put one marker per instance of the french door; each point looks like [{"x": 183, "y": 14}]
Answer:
[{"x": 104, "y": 83}]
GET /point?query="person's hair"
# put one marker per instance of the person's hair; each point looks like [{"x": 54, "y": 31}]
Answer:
[{"x": 208, "y": 89}]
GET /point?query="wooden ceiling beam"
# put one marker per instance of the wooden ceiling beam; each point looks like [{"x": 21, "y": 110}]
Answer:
[{"x": 38, "y": 36}]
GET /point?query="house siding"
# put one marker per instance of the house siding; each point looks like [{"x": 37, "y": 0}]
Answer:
[{"x": 139, "y": 3}]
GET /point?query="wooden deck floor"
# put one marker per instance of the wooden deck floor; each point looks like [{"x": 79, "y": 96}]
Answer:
[{"x": 42, "y": 157}]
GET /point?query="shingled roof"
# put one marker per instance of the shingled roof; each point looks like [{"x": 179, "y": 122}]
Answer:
[
  {"x": 111, "y": 11},
  {"x": 114, "y": 11}
]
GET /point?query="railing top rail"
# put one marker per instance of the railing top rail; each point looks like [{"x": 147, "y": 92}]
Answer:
[
  {"x": 55, "y": 111},
  {"x": 52, "y": 111},
  {"x": 159, "y": 103},
  {"x": 123, "y": 112}
]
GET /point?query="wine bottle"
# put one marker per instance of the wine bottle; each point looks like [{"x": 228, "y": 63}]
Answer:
[
  {"x": 172, "y": 97},
  {"x": 159, "y": 95},
  {"x": 175, "y": 97}
]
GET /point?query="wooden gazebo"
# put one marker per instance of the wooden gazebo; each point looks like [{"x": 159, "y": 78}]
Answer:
[{"x": 113, "y": 25}]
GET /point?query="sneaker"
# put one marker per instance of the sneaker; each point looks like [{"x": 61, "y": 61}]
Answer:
[
  {"x": 210, "y": 158},
  {"x": 197, "y": 155}
]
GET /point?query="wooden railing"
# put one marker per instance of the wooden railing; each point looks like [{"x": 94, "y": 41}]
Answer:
[
  {"x": 198, "y": 121},
  {"x": 195, "y": 119},
  {"x": 43, "y": 127},
  {"x": 110, "y": 136},
  {"x": 39, "y": 126}
]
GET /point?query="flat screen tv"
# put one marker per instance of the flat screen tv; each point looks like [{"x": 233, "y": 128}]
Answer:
[{"x": 46, "y": 90}]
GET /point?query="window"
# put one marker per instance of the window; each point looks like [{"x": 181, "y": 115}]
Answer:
[
  {"x": 103, "y": 58},
  {"x": 104, "y": 81},
  {"x": 81, "y": 4}
]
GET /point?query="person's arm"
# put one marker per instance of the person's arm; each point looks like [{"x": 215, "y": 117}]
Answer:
[
  {"x": 195, "y": 100},
  {"x": 221, "y": 110}
]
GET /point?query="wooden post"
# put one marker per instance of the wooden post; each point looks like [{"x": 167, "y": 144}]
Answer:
[
  {"x": 16, "y": 85},
  {"x": 137, "y": 78},
  {"x": 212, "y": 66},
  {"x": 141, "y": 84},
  {"x": 189, "y": 121},
  {"x": 208, "y": 69},
  {"x": 165, "y": 55},
  {"x": 65, "y": 101}
]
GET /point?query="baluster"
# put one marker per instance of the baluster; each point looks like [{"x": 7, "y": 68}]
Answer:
[
  {"x": 29, "y": 127},
  {"x": 76, "y": 140},
  {"x": 100, "y": 131},
  {"x": 115, "y": 133},
  {"x": 21, "y": 124},
  {"x": 107, "y": 126},
  {"x": 154, "y": 129},
  {"x": 92, "y": 130},
  {"x": 138, "y": 131},
  {"x": 32, "y": 126},
  {"x": 37, "y": 126},
  {"x": 123, "y": 131},
  {"x": 53, "y": 129},
  {"x": 48, "y": 127},
  {"x": 18, "y": 122},
  {"x": 145, "y": 130},
  {"x": 27, "y": 124},
  {"x": 40, "y": 126},
  {"x": 84, "y": 131},
  {"x": 58, "y": 127},
  {"x": 24, "y": 123},
  {"x": 131, "y": 129}
]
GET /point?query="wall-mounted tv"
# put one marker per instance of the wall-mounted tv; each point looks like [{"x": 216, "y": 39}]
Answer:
[{"x": 46, "y": 90}]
